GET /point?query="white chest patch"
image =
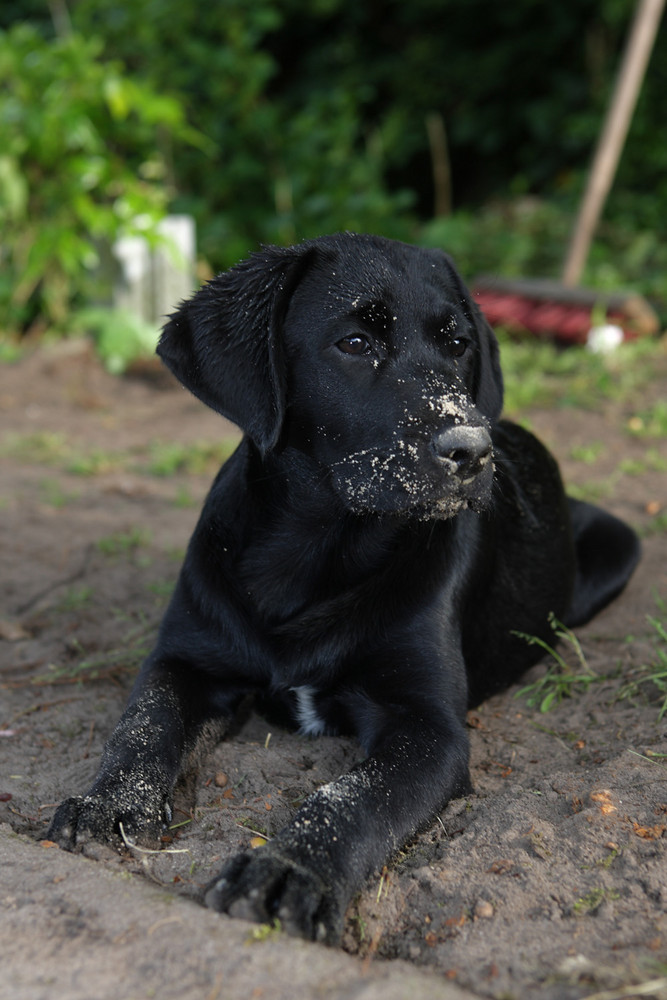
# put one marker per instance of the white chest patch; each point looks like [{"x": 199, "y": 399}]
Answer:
[{"x": 309, "y": 721}]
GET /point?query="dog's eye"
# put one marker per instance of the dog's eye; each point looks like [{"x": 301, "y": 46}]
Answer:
[
  {"x": 458, "y": 346},
  {"x": 355, "y": 344}
]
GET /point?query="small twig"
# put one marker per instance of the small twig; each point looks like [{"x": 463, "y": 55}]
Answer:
[
  {"x": 184, "y": 822},
  {"x": 56, "y": 585},
  {"x": 148, "y": 850},
  {"x": 384, "y": 884},
  {"x": 30, "y": 819},
  {"x": 372, "y": 948},
  {"x": 161, "y": 923},
  {"x": 10, "y": 668},
  {"x": 146, "y": 865},
  {"x": 217, "y": 986},
  {"x": 38, "y": 708},
  {"x": 444, "y": 828},
  {"x": 61, "y": 19},
  {"x": 653, "y": 986},
  {"x": 549, "y": 732},
  {"x": 257, "y": 833},
  {"x": 645, "y": 757}
]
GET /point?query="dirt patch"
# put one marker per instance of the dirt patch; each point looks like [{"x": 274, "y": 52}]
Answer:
[{"x": 550, "y": 881}]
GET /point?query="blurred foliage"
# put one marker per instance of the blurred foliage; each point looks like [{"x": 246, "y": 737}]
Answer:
[
  {"x": 315, "y": 119},
  {"x": 318, "y": 111},
  {"x": 522, "y": 237},
  {"x": 291, "y": 159},
  {"x": 529, "y": 237},
  {"x": 82, "y": 161},
  {"x": 540, "y": 373},
  {"x": 120, "y": 336}
]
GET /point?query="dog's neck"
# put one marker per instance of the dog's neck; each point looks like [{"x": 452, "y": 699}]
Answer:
[{"x": 337, "y": 549}]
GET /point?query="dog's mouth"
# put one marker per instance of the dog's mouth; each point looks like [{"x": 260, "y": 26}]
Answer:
[{"x": 426, "y": 479}]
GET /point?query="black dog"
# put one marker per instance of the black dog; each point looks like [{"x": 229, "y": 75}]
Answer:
[{"x": 363, "y": 560}]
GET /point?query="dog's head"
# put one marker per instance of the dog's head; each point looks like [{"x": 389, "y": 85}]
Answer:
[{"x": 366, "y": 354}]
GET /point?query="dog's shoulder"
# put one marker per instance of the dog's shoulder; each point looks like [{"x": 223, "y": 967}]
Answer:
[{"x": 522, "y": 462}]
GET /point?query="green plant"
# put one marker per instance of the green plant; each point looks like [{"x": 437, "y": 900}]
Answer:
[
  {"x": 166, "y": 458},
  {"x": 184, "y": 498},
  {"x": 82, "y": 162},
  {"x": 593, "y": 900},
  {"x": 95, "y": 462},
  {"x": 253, "y": 826},
  {"x": 161, "y": 588},
  {"x": 587, "y": 453},
  {"x": 652, "y": 461},
  {"x": 657, "y": 525},
  {"x": 54, "y": 495},
  {"x": 10, "y": 350},
  {"x": 361, "y": 927},
  {"x": 42, "y": 447},
  {"x": 120, "y": 336},
  {"x": 134, "y": 647},
  {"x": 653, "y": 673},
  {"x": 593, "y": 491},
  {"x": 538, "y": 373},
  {"x": 651, "y": 422},
  {"x": 521, "y": 237},
  {"x": 297, "y": 145},
  {"x": 54, "y": 449},
  {"x": 75, "y": 598},
  {"x": 264, "y": 932},
  {"x": 505, "y": 237},
  {"x": 320, "y": 118},
  {"x": 123, "y": 543},
  {"x": 561, "y": 679}
]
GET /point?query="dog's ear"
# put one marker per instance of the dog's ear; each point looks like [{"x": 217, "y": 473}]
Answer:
[
  {"x": 488, "y": 380},
  {"x": 224, "y": 343},
  {"x": 489, "y": 376}
]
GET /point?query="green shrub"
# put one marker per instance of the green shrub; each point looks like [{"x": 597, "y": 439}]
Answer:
[
  {"x": 529, "y": 237},
  {"x": 82, "y": 161}
]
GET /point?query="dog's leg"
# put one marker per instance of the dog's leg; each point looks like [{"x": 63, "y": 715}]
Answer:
[
  {"x": 167, "y": 716},
  {"x": 306, "y": 875}
]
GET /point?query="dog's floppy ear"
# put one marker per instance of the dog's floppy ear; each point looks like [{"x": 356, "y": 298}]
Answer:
[
  {"x": 489, "y": 376},
  {"x": 488, "y": 387},
  {"x": 224, "y": 343}
]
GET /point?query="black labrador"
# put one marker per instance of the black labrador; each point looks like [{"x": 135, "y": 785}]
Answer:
[{"x": 363, "y": 561}]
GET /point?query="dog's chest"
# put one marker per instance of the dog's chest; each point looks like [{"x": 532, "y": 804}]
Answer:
[
  {"x": 309, "y": 720},
  {"x": 295, "y": 567},
  {"x": 281, "y": 585}
]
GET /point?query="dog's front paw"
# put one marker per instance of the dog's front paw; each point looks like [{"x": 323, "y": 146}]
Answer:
[
  {"x": 264, "y": 886},
  {"x": 110, "y": 815}
]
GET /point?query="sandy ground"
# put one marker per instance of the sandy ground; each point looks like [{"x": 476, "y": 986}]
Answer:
[{"x": 549, "y": 881}]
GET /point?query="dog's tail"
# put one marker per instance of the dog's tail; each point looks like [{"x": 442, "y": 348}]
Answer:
[{"x": 607, "y": 552}]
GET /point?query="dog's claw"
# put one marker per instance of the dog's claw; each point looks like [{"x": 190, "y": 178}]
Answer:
[{"x": 62, "y": 830}]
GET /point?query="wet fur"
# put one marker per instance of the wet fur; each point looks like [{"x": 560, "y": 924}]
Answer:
[{"x": 361, "y": 564}]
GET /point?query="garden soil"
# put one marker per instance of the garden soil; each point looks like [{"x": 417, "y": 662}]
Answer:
[{"x": 549, "y": 881}]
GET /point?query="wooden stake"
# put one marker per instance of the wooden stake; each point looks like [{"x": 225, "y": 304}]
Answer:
[{"x": 612, "y": 139}]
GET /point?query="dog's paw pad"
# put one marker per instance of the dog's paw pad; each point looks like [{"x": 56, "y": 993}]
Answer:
[{"x": 263, "y": 887}]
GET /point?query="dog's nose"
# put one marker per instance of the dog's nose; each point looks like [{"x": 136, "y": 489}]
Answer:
[{"x": 464, "y": 451}]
